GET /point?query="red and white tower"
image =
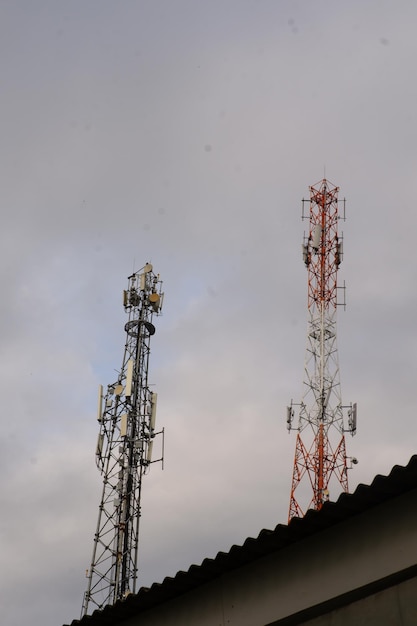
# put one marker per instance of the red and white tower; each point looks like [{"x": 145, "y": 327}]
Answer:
[{"x": 321, "y": 464}]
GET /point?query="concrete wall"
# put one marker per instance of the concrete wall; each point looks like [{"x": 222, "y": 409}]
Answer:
[
  {"x": 351, "y": 555},
  {"x": 396, "y": 606}
]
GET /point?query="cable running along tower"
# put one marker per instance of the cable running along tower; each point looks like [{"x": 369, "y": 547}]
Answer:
[
  {"x": 321, "y": 464},
  {"x": 126, "y": 415}
]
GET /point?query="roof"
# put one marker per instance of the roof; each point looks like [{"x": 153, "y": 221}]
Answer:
[{"x": 400, "y": 480}]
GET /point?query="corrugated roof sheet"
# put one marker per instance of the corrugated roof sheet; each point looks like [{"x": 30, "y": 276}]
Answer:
[{"x": 400, "y": 480}]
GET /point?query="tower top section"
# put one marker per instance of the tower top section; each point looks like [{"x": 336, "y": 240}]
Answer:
[{"x": 323, "y": 246}]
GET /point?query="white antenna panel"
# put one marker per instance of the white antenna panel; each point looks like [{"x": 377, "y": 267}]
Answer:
[
  {"x": 129, "y": 378},
  {"x": 118, "y": 390},
  {"x": 149, "y": 453},
  {"x": 154, "y": 399},
  {"x": 142, "y": 282},
  {"x": 316, "y": 237},
  {"x": 100, "y": 403},
  {"x": 304, "y": 249},
  {"x": 99, "y": 448},
  {"x": 354, "y": 416},
  {"x": 123, "y": 425},
  {"x": 154, "y": 299}
]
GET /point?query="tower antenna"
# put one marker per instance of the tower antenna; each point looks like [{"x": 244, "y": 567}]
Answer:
[
  {"x": 126, "y": 416},
  {"x": 320, "y": 462}
]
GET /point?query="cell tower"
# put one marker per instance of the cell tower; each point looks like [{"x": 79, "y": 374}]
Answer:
[
  {"x": 320, "y": 463},
  {"x": 126, "y": 414}
]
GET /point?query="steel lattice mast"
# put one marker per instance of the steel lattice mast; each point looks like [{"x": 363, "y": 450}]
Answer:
[
  {"x": 126, "y": 414},
  {"x": 320, "y": 462}
]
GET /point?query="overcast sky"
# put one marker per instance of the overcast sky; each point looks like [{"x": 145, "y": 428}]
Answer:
[{"x": 186, "y": 133}]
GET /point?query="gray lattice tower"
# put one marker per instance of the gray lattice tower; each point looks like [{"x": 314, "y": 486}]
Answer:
[{"x": 126, "y": 414}]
